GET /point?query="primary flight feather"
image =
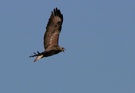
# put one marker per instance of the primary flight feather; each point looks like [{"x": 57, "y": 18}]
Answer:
[{"x": 51, "y": 36}]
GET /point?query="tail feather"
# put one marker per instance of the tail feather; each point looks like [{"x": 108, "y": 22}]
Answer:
[{"x": 38, "y": 57}]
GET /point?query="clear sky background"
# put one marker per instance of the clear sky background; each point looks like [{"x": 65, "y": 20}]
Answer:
[{"x": 99, "y": 37}]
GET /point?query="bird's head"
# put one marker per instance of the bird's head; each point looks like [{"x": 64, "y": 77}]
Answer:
[{"x": 63, "y": 49}]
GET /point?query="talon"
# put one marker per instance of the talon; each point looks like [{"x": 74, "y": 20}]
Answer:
[
  {"x": 35, "y": 54},
  {"x": 38, "y": 52}
]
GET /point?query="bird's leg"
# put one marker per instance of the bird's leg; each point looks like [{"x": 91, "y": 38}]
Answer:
[{"x": 35, "y": 54}]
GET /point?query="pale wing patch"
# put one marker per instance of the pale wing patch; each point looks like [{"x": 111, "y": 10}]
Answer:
[{"x": 58, "y": 18}]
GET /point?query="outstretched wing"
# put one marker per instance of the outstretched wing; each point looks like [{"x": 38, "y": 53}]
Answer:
[{"x": 53, "y": 28}]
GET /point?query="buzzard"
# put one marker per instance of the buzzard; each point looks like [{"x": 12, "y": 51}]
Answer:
[{"x": 51, "y": 36}]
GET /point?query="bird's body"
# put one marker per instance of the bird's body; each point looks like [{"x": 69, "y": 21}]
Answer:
[{"x": 51, "y": 36}]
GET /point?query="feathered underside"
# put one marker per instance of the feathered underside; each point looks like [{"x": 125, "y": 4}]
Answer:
[{"x": 53, "y": 28}]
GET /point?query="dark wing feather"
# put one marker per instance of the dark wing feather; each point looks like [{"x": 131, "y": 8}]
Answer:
[{"x": 53, "y": 28}]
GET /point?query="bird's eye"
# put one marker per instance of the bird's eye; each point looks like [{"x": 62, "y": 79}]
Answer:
[{"x": 63, "y": 48}]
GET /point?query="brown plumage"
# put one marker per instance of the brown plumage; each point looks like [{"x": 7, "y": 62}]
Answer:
[{"x": 51, "y": 36}]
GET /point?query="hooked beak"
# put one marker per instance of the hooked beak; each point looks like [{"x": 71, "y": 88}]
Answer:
[
  {"x": 64, "y": 50},
  {"x": 38, "y": 57}
]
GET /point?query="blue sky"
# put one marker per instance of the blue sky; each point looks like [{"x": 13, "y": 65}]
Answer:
[{"x": 99, "y": 37}]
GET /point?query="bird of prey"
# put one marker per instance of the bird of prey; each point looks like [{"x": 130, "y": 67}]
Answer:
[{"x": 51, "y": 36}]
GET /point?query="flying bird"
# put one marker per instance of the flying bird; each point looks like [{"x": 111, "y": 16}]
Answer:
[{"x": 51, "y": 36}]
